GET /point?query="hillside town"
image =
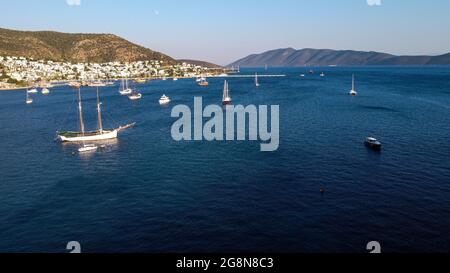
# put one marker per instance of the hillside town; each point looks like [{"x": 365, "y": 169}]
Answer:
[{"x": 20, "y": 71}]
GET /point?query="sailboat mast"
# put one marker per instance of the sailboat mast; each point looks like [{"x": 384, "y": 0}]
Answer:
[
  {"x": 225, "y": 90},
  {"x": 99, "y": 114},
  {"x": 80, "y": 110},
  {"x": 353, "y": 82}
]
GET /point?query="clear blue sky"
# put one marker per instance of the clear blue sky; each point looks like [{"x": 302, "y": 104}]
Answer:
[{"x": 222, "y": 31}]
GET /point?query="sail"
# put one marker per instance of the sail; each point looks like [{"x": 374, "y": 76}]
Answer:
[
  {"x": 80, "y": 110},
  {"x": 353, "y": 82},
  {"x": 99, "y": 114},
  {"x": 225, "y": 91}
]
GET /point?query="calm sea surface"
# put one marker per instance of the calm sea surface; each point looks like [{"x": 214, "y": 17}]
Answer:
[{"x": 148, "y": 193}]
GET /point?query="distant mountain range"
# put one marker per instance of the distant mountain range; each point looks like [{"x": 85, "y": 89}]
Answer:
[
  {"x": 290, "y": 57},
  {"x": 78, "y": 48}
]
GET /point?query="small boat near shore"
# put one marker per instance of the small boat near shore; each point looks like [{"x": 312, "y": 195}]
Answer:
[
  {"x": 45, "y": 91},
  {"x": 28, "y": 100},
  {"x": 75, "y": 85},
  {"x": 32, "y": 91},
  {"x": 135, "y": 95},
  {"x": 164, "y": 100},
  {"x": 203, "y": 82},
  {"x": 97, "y": 84},
  {"x": 124, "y": 89}
]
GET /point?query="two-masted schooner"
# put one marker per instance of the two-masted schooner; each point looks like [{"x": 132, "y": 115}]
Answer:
[{"x": 83, "y": 135}]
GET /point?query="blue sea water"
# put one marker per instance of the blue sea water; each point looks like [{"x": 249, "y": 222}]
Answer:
[{"x": 147, "y": 193}]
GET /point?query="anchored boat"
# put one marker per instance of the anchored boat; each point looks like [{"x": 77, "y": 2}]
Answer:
[
  {"x": 226, "y": 94},
  {"x": 353, "y": 91},
  {"x": 99, "y": 134},
  {"x": 124, "y": 89},
  {"x": 164, "y": 100}
]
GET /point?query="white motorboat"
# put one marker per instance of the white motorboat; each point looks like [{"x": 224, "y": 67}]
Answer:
[
  {"x": 164, "y": 100},
  {"x": 45, "y": 91},
  {"x": 87, "y": 148},
  {"x": 32, "y": 91}
]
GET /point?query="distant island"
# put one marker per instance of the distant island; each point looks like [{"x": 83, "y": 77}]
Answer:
[{"x": 290, "y": 57}]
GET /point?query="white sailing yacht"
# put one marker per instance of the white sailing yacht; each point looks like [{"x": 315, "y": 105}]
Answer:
[
  {"x": 29, "y": 100},
  {"x": 124, "y": 89},
  {"x": 99, "y": 134},
  {"x": 256, "y": 80},
  {"x": 353, "y": 91},
  {"x": 135, "y": 95},
  {"x": 226, "y": 94}
]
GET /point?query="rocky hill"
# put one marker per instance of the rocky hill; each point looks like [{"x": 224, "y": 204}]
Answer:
[{"x": 56, "y": 46}]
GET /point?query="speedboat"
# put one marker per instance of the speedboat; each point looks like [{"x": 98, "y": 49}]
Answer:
[
  {"x": 322, "y": 74},
  {"x": 33, "y": 91},
  {"x": 373, "y": 143},
  {"x": 86, "y": 148},
  {"x": 302, "y": 75},
  {"x": 164, "y": 100},
  {"x": 45, "y": 91}
]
